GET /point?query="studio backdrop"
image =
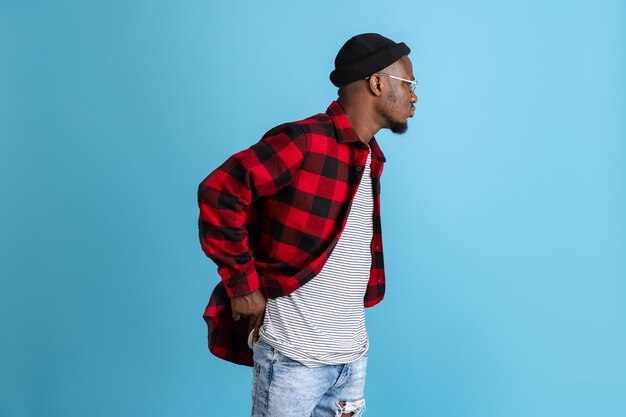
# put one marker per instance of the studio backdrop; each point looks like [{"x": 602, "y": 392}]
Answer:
[{"x": 503, "y": 206}]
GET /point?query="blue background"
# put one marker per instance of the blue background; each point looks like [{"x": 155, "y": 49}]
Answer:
[{"x": 503, "y": 206}]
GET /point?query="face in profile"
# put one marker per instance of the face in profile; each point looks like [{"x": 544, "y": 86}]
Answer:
[{"x": 399, "y": 97}]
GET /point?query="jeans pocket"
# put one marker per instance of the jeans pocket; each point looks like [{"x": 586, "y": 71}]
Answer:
[
  {"x": 262, "y": 344},
  {"x": 262, "y": 352},
  {"x": 284, "y": 361}
]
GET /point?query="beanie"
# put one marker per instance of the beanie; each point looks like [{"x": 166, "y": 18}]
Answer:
[{"x": 363, "y": 55}]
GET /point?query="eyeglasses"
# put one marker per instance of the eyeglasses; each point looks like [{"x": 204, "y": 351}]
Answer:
[{"x": 412, "y": 84}]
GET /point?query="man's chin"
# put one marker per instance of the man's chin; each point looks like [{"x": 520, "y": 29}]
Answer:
[
  {"x": 396, "y": 126},
  {"x": 399, "y": 128}
]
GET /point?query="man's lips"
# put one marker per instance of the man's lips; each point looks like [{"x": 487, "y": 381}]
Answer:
[{"x": 412, "y": 112}]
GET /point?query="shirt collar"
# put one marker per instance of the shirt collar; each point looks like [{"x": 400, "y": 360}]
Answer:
[{"x": 344, "y": 131}]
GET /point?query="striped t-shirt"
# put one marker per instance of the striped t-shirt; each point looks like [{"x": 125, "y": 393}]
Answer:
[{"x": 323, "y": 322}]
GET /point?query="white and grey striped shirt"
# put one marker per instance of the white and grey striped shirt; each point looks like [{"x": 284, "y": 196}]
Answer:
[{"x": 323, "y": 322}]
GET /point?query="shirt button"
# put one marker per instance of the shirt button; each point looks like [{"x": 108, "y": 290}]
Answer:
[{"x": 358, "y": 169}]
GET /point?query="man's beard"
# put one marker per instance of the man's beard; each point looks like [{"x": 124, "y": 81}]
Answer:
[{"x": 396, "y": 127}]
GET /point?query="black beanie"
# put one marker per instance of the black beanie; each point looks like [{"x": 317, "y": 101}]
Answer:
[{"x": 363, "y": 55}]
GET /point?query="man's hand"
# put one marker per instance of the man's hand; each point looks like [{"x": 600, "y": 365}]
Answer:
[{"x": 252, "y": 306}]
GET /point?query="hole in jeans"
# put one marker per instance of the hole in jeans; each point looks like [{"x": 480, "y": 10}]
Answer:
[{"x": 350, "y": 408}]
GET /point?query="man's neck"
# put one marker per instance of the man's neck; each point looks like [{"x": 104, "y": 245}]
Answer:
[{"x": 360, "y": 120}]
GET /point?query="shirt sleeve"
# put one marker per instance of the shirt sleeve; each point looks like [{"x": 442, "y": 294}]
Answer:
[{"x": 223, "y": 197}]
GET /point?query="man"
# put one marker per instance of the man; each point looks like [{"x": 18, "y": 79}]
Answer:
[{"x": 293, "y": 224}]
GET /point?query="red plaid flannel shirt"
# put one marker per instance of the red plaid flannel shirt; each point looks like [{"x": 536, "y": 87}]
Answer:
[{"x": 271, "y": 215}]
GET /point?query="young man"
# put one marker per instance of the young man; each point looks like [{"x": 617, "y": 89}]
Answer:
[{"x": 293, "y": 224}]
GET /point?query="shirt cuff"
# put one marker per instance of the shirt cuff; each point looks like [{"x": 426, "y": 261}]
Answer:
[{"x": 242, "y": 285}]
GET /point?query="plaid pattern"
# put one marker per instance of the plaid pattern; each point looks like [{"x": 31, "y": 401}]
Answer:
[{"x": 271, "y": 215}]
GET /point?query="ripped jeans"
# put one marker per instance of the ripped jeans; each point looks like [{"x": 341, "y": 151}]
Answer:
[{"x": 285, "y": 388}]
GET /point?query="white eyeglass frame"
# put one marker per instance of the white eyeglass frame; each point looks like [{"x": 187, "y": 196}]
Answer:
[{"x": 411, "y": 83}]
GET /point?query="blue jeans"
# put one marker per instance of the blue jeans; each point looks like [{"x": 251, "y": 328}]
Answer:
[{"x": 285, "y": 388}]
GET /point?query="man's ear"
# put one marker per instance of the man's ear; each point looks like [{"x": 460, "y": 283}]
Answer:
[{"x": 375, "y": 85}]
